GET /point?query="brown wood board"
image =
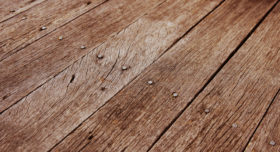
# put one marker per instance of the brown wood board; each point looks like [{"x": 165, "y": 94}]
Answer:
[
  {"x": 25, "y": 28},
  {"x": 69, "y": 98},
  {"x": 30, "y": 68},
  {"x": 11, "y": 8},
  {"x": 267, "y": 136},
  {"x": 237, "y": 99},
  {"x": 137, "y": 115}
]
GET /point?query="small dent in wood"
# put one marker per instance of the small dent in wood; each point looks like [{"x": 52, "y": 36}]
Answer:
[
  {"x": 72, "y": 78},
  {"x": 90, "y": 137},
  {"x": 110, "y": 144},
  {"x": 5, "y": 97},
  {"x": 103, "y": 88},
  {"x": 89, "y": 2},
  {"x": 31, "y": 1},
  {"x": 123, "y": 150}
]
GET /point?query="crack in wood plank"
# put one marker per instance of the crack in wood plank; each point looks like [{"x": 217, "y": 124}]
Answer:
[
  {"x": 20, "y": 78},
  {"x": 22, "y": 33},
  {"x": 115, "y": 120},
  {"x": 120, "y": 43}
]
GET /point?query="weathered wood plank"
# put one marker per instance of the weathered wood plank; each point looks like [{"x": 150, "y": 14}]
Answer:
[
  {"x": 237, "y": 98},
  {"x": 59, "y": 106},
  {"x": 28, "y": 69},
  {"x": 11, "y": 8},
  {"x": 25, "y": 28},
  {"x": 267, "y": 136},
  {"x": 133, "y": 119}
]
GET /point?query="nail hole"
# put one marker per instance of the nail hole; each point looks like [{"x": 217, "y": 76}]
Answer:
[
  {"x": 5, "y": 97},
  {"x": 89, "y": 2},
  {"x": 103, "y": 88},
  {"x": 90, "y": 137},
  {"x": 72, "y": 79}
]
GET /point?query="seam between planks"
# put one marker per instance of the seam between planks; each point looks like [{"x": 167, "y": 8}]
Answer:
[
  {"x": 213, "y": 76},
  {"x": 77, "y": 59},
  {"x": 53, "y": 30},
  {"x": 58, "y": 72},
  {"x": 26, "y": 8},
  {"x": 269, "y": 106},
  {"x": 174, "y": 43}
]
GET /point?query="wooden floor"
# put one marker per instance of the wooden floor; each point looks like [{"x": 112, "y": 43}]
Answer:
[{"x": 140, "y": 75}]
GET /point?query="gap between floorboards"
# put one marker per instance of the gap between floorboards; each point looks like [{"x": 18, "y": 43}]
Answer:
[
  {"x": 174, "y": 43},
  {"x": 74, "y": 61},
  {"x": 213, "y": 76}
]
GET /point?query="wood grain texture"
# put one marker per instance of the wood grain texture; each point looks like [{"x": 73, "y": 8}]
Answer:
[
  {"x": 25, "y": 28},
  {"x": 268, "y": 131},
  {"x": 11, "y": 8},
  {"x": 237, "y": 98},
  {"x": 59, "y": 106},
  {"x": 136, "y": 116},
  {"x": 28, "y": 69}
]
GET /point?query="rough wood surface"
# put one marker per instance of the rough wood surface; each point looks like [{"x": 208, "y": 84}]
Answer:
[
  {"x": 11, "y": 8},
  {"x": 237, "y": 98},
  {"x": 267, "y": 136},
  {"x": 57, "y": 106},
  {"x": 25, "y": 28},
  {"x": 137, "y": 115},
  {"x": 28, "y": 69}
]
